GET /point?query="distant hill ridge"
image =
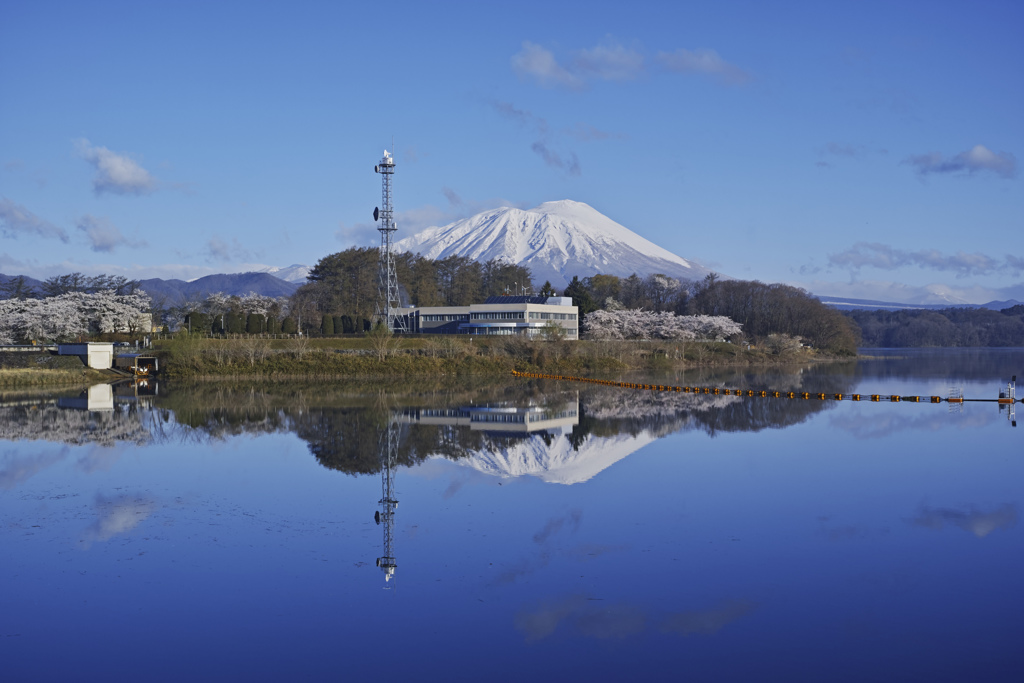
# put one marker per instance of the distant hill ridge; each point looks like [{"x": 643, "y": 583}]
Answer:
[
  {"x": 235, "y": 284},
  {"x": 872, "y": 305}
]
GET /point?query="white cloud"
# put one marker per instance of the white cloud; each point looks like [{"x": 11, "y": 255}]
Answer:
[
  {"x": 16, "y": 220},
  {"x": 703, "y": 61},
  {"x": 535, "y": 62},
  {"x": 977, "y": 159},
  {"x": 115, "y": 173},
  {"x": 104, "y": 235},
  {"x": 608, "y": 61}
]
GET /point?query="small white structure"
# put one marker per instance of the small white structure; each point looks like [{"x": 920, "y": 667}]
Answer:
[{"x": 97, "y": 355}]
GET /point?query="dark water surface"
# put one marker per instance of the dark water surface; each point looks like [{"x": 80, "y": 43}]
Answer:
[{"x": 544, "y": 530}]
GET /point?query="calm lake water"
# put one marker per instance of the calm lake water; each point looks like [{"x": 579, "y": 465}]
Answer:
[{"x": 544, "y": 530}]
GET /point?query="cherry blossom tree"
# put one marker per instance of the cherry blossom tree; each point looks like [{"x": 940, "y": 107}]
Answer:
[
  {"x": 640, "y": 324},
  {"x": 71, "y": 315}
]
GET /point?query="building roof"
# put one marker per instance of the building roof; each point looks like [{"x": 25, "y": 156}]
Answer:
[{"x": 524, "y": 300}]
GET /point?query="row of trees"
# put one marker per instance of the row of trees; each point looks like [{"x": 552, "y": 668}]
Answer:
[{"x": 70, "y": 316}]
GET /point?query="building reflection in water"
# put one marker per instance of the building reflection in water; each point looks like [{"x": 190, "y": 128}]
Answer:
[{"x": 503, "y": 418}]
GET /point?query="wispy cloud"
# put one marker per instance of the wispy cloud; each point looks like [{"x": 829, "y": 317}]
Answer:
[
  {"x": 587, "y": 133},
  {"x": 570, "y": 163},
  {"x": 221, "y": 251},
  {"x": 565, "y": 161},
  {"x": 15, "y": 468},
  {"x": 104, "y": 235},
  {"x": 607, "y": 61},
  {"x": 979, "y": 523},
  {"x": 572, "y": 521},
  {"x": 978, "y": 159},
  {"x": 705, "y": 62},
  {"x": 16, "y": 220},
  {"x": 707, "y": 622},
  {"x": 885, "y": 257},
  {"x": 596, "y": 619},
  {"x": 115, "y": 173},
  {"x": 590, "y": 618},
  {"x": 454, "y": 200},
  {"x": 839, "y": 150}
]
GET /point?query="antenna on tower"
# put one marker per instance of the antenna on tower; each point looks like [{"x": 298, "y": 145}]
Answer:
[{"x": 388, "y": 300}]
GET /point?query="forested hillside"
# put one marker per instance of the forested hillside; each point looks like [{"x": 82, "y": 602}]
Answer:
[{"x": 946, "y": 327}]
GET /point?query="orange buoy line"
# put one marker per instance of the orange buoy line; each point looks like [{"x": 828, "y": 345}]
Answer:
[{"x": 717, "y": 391}]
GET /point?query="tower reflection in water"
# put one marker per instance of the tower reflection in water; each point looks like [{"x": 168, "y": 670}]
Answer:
[{"x": 387, "y": 451}]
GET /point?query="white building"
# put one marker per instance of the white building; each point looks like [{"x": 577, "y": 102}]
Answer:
[{"x": 503, "y": 315}]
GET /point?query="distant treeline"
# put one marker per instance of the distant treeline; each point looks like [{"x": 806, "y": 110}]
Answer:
[
  {"x": 945, "y": 327},
  {"x": 22, "y": 288}
]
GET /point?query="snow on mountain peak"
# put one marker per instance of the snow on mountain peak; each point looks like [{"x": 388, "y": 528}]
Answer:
[
  {"x": 295, "y": 273},
  {"x": 557, "y": 462},
  {"x": 556, "y": 240}
]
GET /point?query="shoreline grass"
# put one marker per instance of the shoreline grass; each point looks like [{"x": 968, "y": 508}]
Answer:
[{"x": 40, "y": 377}]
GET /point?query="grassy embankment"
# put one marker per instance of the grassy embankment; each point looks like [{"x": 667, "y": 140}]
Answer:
[
  {"x": 38, "y": 369},
  {"x": 376, "y": 356}
]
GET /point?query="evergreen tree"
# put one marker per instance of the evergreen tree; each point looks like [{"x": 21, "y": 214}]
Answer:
[
  {"x": 327, "y": 325},
  {"x": 580, "y": 296},
  {"x": 235, "y": 323},
  {"x": 255, "y": 323},
  {"x": 197, "y": 323},
  {"x": 16, "y": 288}
]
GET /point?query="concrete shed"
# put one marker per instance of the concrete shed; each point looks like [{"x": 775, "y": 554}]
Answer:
[{"x": 98, "y": 355}]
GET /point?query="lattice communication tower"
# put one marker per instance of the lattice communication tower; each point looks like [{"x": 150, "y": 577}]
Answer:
[{"x": 388, "y": 300}]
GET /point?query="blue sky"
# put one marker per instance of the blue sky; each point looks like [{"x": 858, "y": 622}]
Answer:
[{"x": 857, "y": 149}]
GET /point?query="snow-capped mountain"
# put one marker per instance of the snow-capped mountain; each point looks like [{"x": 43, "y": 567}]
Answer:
[
  {"x": 559, "y": 462},
  {"x": 555, "y": 240},
  {"x": 295, "y": 273}
]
